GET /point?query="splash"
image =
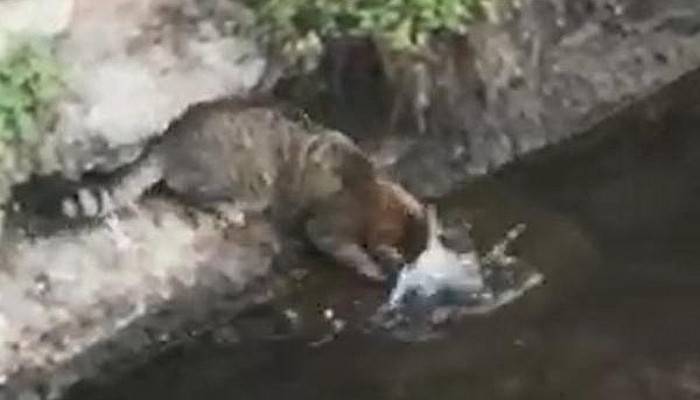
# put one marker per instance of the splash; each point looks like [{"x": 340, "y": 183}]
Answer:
[
  {"x": 442, "y": 283},
  {"x": 437, "y": 269}
]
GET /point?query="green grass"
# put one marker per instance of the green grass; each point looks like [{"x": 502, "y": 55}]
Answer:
[{"x": 30, "y": 82}]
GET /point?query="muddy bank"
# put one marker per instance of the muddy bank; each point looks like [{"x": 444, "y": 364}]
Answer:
[{"x": 538, "y": 72}]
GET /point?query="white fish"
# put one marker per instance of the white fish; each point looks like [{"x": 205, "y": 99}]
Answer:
[{"x": 440, "y": 269}]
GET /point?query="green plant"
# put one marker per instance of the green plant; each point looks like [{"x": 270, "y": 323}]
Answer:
[
  {"x": 30, "y": 80},
  {"x": 403, "y": 24},
  {"x": 295, "y": 32}
]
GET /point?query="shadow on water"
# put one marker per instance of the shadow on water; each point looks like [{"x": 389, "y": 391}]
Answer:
[{"x": 612, "y": 225}]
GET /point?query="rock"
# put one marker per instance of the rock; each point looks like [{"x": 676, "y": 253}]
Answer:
[
  {"x": 75, "y": 302},
  {"x": 19, "y": 18},
  {"x": 130, "y": 68},
  {"x": 134, "y": 66}
]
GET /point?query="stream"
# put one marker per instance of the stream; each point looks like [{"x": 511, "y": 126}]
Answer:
[{"x": 611, "y": 224}]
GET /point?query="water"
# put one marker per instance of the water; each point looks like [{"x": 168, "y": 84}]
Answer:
[
  {"x": 444, "y": 284},
  {"x": 612, "y": 225}
]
